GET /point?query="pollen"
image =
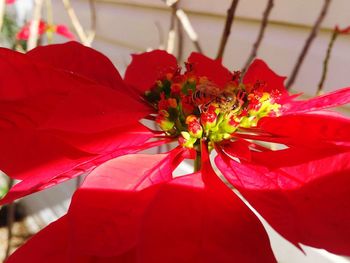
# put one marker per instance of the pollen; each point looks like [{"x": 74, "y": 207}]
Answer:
[{"x": 193, "y": 108}]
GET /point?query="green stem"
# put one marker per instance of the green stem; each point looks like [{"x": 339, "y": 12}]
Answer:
[{"x": 198, "y": 160}]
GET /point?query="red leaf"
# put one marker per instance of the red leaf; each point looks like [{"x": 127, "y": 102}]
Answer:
[
  {"x": 24, "y": 32},
  {"x": 63, "y": 30},
  {"x": 329, "y": 100},
  {"x": 43, "y": 161},
  {"x": 146, "y": 68},
  {"x": 120, "y": 210},
  {"x": 308, "y": 130},
  {"x": 304, "y": 195},
  {"x": 203, "y": 66},
  {"x": 259, "y": 71},
  {"x": 49, "y": 245},
  {"x": 56, "y": 125},
  {"x": 79, "y": 60},
  {"x": 110, "y": 205}
]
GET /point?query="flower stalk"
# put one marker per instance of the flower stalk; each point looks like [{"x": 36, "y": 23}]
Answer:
[{"x": 198, "y": 160}]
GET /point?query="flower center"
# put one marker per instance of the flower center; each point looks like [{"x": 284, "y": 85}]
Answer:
[{"x": 194, "y": 108}]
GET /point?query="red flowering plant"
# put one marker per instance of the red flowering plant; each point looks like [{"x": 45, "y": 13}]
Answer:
[
  {"x": 43, "y": 28},
  {"x": 70, "y": 112}
]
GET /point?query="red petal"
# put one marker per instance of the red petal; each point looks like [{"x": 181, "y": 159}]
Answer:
[
  {"x": 108, "y": 210},
  {"x": 329, "y": 100},
  {"x": 58, "y": 161},
  {"x": 53, "y": 245},
  {"x": 146, "y": 68},
  {"x": 177, "y": 221},
  {"x": 304, "y": 195},
  {"x": 345, "y": 30},
  {"x": 64, "y": 31},
  {"x": 308, "y": 130},
  {"x": 55, "y": 125},
  {"x": 259, "y": 71},
  {"x": 123, "y": 215},
  {"x": 238, "y": 148},
  {"x": 23, "y": 34},
  {"x": 49, "y": 245},
  {"x": 212, "y": 69},
  {"x": 80, "y": 60}
]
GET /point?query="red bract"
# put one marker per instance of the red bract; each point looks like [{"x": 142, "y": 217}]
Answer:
[
  {"x": 52, "y": 123},
  {"x": 79, "y": 113},
  {"x": 43, "y": 27},
  {"x": 344, "y": 31},
  {"x": 10, "y": 1}
]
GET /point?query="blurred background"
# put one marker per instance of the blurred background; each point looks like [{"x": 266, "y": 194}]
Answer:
[{"x": 119, "y": 28}]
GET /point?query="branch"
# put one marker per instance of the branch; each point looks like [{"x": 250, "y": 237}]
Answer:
[
  {"x": 307, "y": 44},
  {"x": 326, "y": 61},
  {"x": 258, "y": 41},
  {"x": 172, "y": 35},
  {"x": 175, "y": 29},
  {"x": 85, "y": 38},
  {"x": 93, "y": 19},
  {"x": 187, "y": 26},
  {"x": 180, "y": 41},
  {"x": 2, "y": 12},
  {"x": 227, "y": 29},
  {"x": 34, "y": 25}
]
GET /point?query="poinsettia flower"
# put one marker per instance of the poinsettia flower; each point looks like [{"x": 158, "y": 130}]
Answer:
[
  {"x": 131, "y": 208},
  {"x": 43, "y": 27},
  {"x": 10, "y": 1}
]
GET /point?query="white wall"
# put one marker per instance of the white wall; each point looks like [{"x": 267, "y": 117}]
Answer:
[{"x": 124, "y": 27}]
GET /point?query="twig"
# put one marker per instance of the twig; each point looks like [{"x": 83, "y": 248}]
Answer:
[
  {"x": 49, "y": 16},
  {"x": 257, "y": 43},
  {"x": 34, "y": 25},
  {"x": 187, "y": 26},
  {"x": 175, "y": 29},
  {"x": 180, "y": 41},
  {"x": 2, "y": 12},
  {"x": 85, "y": 38},
  {"x": 307, "y": 44},
  {"x": 10, "y": 221},
  {"x": 93, "y": 19},
  {"x": 227, "y": 29},
  {"x": 326, "y": 61},
  {"x": 172, "y": 35}
]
